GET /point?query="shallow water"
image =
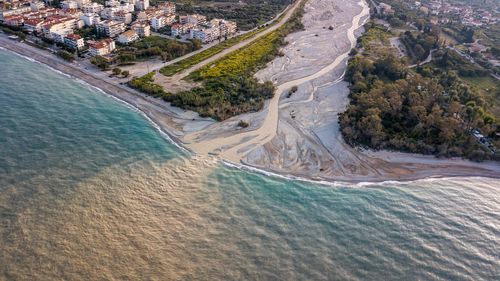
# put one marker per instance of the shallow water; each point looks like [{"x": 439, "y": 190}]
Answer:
[{"x": 89, "y": 190}]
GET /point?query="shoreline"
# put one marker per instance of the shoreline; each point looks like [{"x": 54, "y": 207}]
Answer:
[
  {"x": 130, "y": 100},
  {"x": 158, "y": 113},
  {"x": 172, "y": 138}
]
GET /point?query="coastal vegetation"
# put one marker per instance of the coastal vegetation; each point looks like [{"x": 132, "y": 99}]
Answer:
[
  {"x": 248, "y": 60},
  {"x": 228, "y": 87},
  {"x": 430, "y": 109},
  {"x": 101, "y": 62},
  {"x": 174, "y": 68},
  {"x": 420, "y": 44},
  {"x": 13, "y": 31},
  {"x": 66, "y": 55},
  {"x": 219, "y": 98},
  {"x": 156, "y": 46}
]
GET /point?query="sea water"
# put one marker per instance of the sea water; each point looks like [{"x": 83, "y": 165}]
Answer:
[{"x": 90, "y": 190}]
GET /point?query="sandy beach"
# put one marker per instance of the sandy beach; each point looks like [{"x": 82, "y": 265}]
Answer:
[{"x": 298, "y": 135}]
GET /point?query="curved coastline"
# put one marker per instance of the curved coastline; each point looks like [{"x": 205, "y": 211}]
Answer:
[
  {"x": 169, "y": 136},
  {"x": 155, "y": 111}
]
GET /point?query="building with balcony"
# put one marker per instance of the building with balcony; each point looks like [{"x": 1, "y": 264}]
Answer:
[
  {"x": 142, "y": 28},
  {"x": 101, "y": 47},
  {"x": 128, "y": 36},
  {"x": 74, "y": 41},
  {"x": 110, "y": 28}
]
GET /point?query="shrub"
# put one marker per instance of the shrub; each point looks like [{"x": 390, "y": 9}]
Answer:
[
  {"x": 67, "y": 56},
  {"x": 243, "y": 124},
  {"x": 117, "y": 71}
]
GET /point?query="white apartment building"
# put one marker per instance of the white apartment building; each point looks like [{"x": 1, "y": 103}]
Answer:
[
  {"x": 102, "y": 47},
  {"x": 143, "y": 29},
  {"x": 112, "y": 3},
  {"x": 158, "y": 22},
  {"x": 17, "y": 11},
  {"x": 181, "y": 29},
  {"x": 93, "y": 8},
  {"x": 36, "y": 5},
  {"x": 33, "y": 25},
  {"x": 82, "y": 3},
  {"x": 74, "y": 41},
  {"x": 69, "y": 5},
  {"x": 205, "y": 34},
  {"x": 169, "y": 19},
  {"x": 110, "y": 28},
  {"x": 142, "y": 5},
  {"x": 90, "y": 19},
  {"x": 122, "y": 16},
  {"x": 108, "y": 12},
  {"x": 226, "y": 27},
  {"x": 195, "y": 19},
  {"x": 128, "y": 36},
  {"x": 58, "y": 29},
  {"x": 167, "y": 7},
  {"x": 127, "y": 7}
]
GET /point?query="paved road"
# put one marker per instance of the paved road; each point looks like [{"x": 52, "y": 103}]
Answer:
[
  {"x": 142, "y": 68},
  {"x": 176, "y": 83}
]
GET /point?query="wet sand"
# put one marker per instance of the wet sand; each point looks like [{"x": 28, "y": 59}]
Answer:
[{"x": 296, "y": 136}]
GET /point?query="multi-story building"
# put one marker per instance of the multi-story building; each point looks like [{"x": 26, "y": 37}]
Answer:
[
  {"x": 142, "y": 5},
  {"x": 33, "y": 25},
  {"x": 127, "y": 7},
  {"x": 142, "y": 29},
  {"x": 195, "y": 19},
  {"x": 169, "y": 19},
  {"x": 58, "y": 28},
  {"x": 226, "y": 28},
  {"x": 36, "y": 5},
  {"x": 112, "y": 3},
  {"x": 74, "y": 41},
  {"x": 42, "y": 13},
  {"x": 181, "y": 29},
  {"x": 101, "y": 47},
  {"x": 92, "y": 8},
  {"x": 69, "y": 4},
  {"x": 17, "y": 11},
  {"x": 127, "y": 37},
  {"x": 82, "y": 3},
  {"x": 72, "y": 13},
  {"x": 122, "y": 16},
  {"x": 108, "y": 12},
  {"x": 205, "y": 34},
  {"x": 167, "y": 7},
  {"x": 110, "y": 28},
  {"x": 14, "y": 20},
  {"x": 153, "y": 12},
  {"x": 90, "y": 19},
  {"x": 158, "y": 22}
]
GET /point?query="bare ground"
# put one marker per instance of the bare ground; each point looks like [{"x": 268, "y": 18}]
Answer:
[{"x": 305, "y": 140}]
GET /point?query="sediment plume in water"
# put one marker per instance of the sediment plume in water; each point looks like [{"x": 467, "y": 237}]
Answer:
[{"x": 122, "y": 224}]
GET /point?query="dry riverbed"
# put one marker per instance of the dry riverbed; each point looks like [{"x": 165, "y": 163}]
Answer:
[{"x": 296, "y": 135}]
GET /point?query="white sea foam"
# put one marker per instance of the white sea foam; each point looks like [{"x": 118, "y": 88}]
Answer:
[{"x": 164, "y": 134}]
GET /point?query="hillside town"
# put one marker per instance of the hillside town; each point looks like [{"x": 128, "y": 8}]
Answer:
[
  {"x": 115, "y": 22},
  {"x": 445, "y": 11}
]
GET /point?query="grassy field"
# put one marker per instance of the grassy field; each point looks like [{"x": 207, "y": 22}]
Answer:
[
  {"x": 242, "y": 61},
  {"x": 179, "y": 66},
  {"x": 174, "y": 68},
  {"x": 489, "y": 88},
  {"x": 228, "y": 87},
  {"x": 247, "y": 60}
]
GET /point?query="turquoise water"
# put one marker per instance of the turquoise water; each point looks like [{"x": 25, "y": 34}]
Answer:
[{"x": 89, "y": 190}]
